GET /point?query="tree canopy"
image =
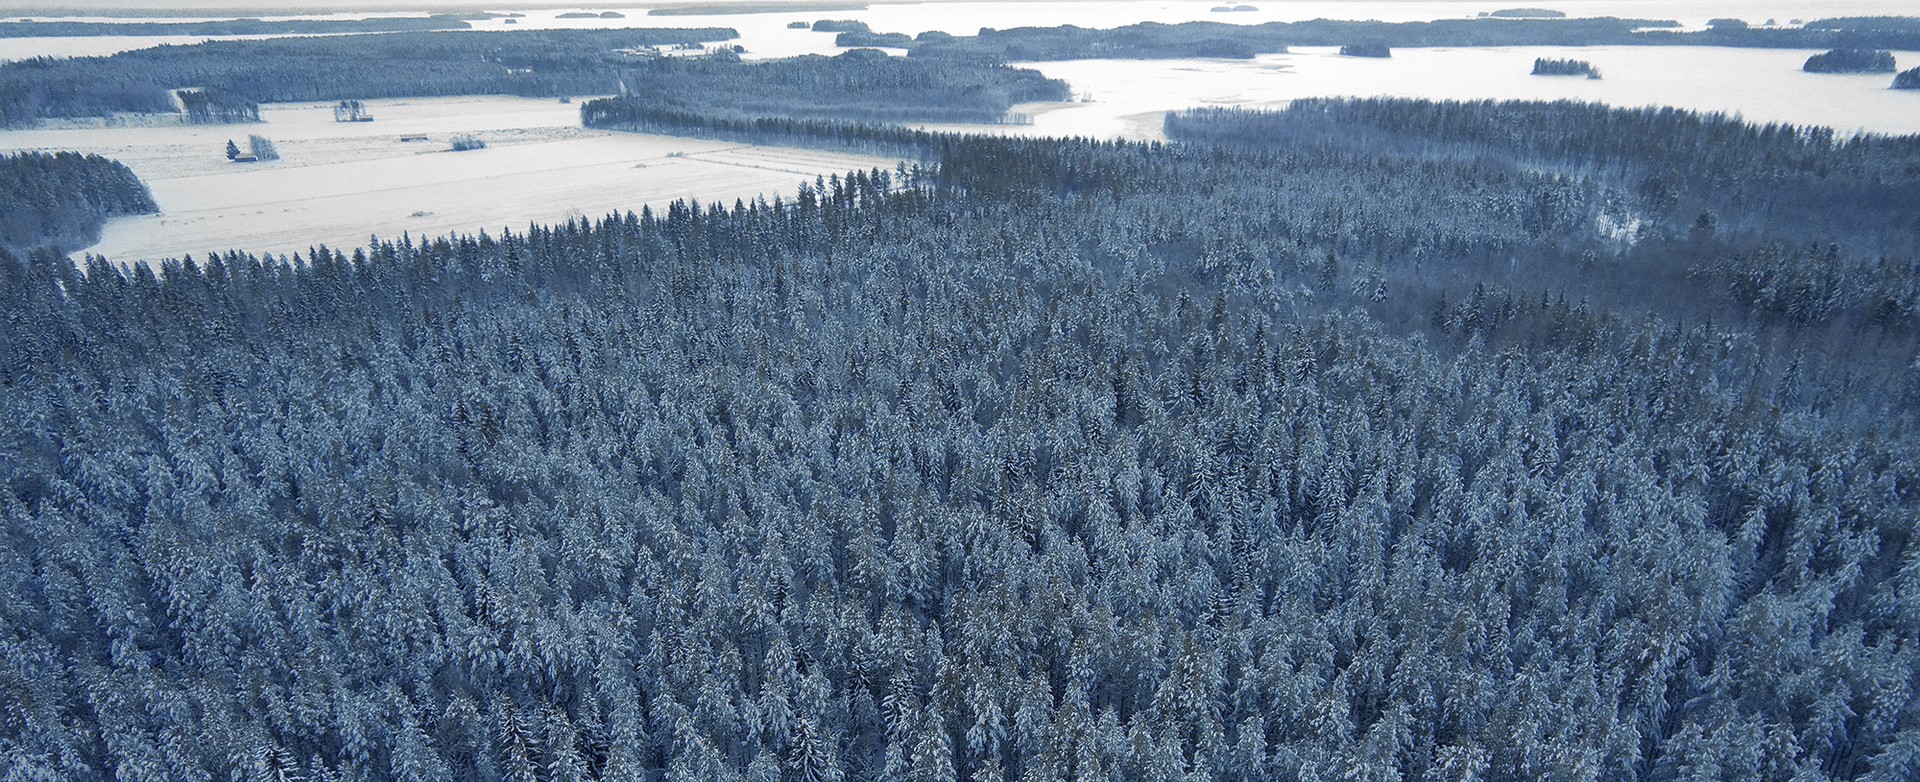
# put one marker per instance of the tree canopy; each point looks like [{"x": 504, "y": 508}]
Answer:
[{"x": 1367, "y": 440}]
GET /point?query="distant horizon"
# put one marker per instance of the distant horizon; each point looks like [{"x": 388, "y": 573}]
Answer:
[{"x": 197, "y": 7}]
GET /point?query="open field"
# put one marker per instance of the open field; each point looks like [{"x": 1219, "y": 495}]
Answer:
[{"x": 337, "y": 183}]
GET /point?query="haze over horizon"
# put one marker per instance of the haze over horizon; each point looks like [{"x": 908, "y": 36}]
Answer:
[{"x": 176, "y": 7}]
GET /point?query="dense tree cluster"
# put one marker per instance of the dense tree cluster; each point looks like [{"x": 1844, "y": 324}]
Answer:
[
  {"x": 1804, "y": 180},
  {"x": 1547, "y": 66},
  {"x": 1850, "y": 61},
  {"x": 530, "y": 62},
  {"x": 870, "y": 39},
  {"x": 62, "y": 199},
  {"x": 1230, "y": 459},
  {"x": 1214, "y": 39},
  {"x": 1908, "y": 79},
  {"x": 1366, "y": 50},
  {"x": 841, "y": 26},
  {"x": 862, "y": 84},
  {"x": 215, "y": 107}
]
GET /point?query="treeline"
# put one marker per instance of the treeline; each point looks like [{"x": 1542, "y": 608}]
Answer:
[
  {"x": 202, "y": 107},
  {"x": 1851, "y": 33},
  {"x": 60, "y": 200},
  {"x": 30, "y": 28},
  {"x": 881, "y": 139},
  {"x": 1214, "y": 39},
  {"x": 529, "y": 62},
  {"x": 1051, "y": 459},
  {"x": 1806, "y": 177},
  {"x": 862, "y": 84},
  {"x": 1905, "y": 24}
]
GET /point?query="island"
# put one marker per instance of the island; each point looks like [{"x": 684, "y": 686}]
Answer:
[
  {"x": 841, "y": 26},
  {"x": 1851, "y": 61},
  {"x": 592, "y": 15},
  {"x": 1527, "y": 13},
  {"x": 1908, "y": 79},
  {"x": 1375, "y": 50},
  {"x": 1546, "y": 66},
  {"x": 864, "y": 38}
]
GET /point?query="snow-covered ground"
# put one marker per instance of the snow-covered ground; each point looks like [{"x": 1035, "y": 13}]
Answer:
[{"x": 338, "y": 183}]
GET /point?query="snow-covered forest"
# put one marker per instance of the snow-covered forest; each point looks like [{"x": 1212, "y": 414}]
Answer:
[
  {"x": 1343, "y": 452},
  {"x": 62, "y": 199}
]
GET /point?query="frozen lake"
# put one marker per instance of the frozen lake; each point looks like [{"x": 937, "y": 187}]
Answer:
[
  {"x": 339, "y": 182},
  {"x": 965, "y": 16},
  {"x": 1761, "y": 85},
  {"x": 767, "y": 34}
]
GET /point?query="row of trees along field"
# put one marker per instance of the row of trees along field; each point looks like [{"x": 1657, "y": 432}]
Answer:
[
  {"x": 530, "y": 62},
  {"x": 1235, "y": 458},
  {"x": 62, "y": 199}
]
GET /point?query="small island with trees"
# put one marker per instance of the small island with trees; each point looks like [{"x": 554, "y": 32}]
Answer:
[
  {"x": 1850, "y": 61},
  {"x": 1908, "y": 79},
  {"x": 1527, "y": 13},
  {"x": 841, "y": 26},
  {"x": 1374, "y": 50},
  {"x": 1547, "y": 66}
]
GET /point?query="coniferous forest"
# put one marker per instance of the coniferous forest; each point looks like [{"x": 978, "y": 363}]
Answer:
[
  {"x": 859, "y": 85},
  {"x": 61, "y": 200},
  {"x": 1371, "y": 440}
]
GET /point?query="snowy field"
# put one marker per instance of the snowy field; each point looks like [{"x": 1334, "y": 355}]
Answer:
[{"x": 338, "y": 183}]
